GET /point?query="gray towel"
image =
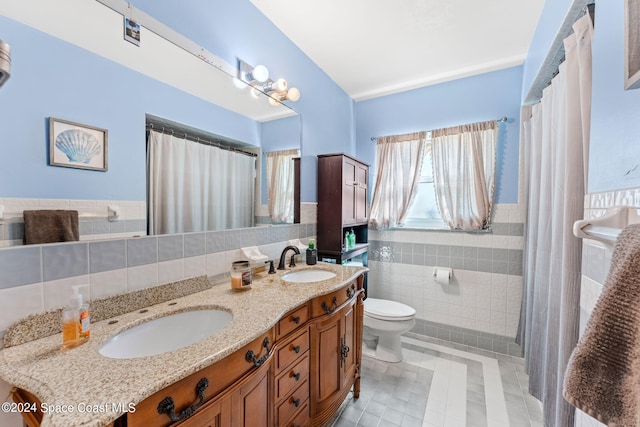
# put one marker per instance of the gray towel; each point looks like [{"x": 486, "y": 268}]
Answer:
[
  {"x": 603, "y": 374},
  {"x": 49, "y": 226}
]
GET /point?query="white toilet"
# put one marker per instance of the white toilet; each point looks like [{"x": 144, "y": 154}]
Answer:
[{"x": 384, "y": 322}]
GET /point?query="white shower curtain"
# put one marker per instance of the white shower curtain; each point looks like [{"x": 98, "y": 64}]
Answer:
[
  {"x": 197, "y": 187},
  {"x": 280, "y": 185},
  {"x": 556, "y": 144}
]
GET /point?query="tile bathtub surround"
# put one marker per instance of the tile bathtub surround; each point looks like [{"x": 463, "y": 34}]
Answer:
[
  {"x": 93, "y": 222},
  {"x": 39, "y": 277},
  {"x": 42, "y": 325}
]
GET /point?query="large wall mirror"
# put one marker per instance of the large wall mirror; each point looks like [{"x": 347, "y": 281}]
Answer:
[{"x": 94, "y": 77}]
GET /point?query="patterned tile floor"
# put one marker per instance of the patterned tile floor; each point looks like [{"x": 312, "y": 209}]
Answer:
[{"x": 442, "y": 384}]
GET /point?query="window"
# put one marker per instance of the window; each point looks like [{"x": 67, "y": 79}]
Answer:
[{"x": 423, "y": 212}]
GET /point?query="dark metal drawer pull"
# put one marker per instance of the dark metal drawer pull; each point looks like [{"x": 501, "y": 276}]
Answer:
[
  {"x": 251, "y": 356},
  {"x": 296, "y": 402},
  {"x": 296, "y": 375},
  {"x": 296, "y": 319},
  {"x": 333, "y": 307},
  {"x": 296, "y": 348},
  {"x": 166, "y": 406},
  {"x": 351, "y": 291}
]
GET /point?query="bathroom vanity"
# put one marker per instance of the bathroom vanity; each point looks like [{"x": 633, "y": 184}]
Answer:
[{"x": 289, "y": 357}]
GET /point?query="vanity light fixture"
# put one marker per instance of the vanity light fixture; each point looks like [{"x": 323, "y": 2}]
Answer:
[{"x": 258, "y": 78}]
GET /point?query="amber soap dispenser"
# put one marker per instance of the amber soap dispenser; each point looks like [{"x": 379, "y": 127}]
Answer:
[{"x": 75, "y": 320}]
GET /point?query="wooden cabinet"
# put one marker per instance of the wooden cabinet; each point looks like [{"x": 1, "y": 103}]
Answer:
[
  {"x": 334, "y": 359},
  {"x": 343, "y": 185},
  {"x": 297, "y": 374},
  {"x": 250, "y": 402}
]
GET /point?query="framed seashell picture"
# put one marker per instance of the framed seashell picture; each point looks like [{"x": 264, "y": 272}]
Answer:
[{"x": 74, "y": 145}]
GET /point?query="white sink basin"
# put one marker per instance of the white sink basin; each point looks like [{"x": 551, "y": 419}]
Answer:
[
  {"x": 307, "y": 276},
  {"x": 165, "y": 334}
]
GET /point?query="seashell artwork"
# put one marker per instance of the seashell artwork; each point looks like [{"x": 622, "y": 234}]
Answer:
[{"x": 78, "y": 146}]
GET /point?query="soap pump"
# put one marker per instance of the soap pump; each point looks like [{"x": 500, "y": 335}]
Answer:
[{"x": 75, "y": 320}]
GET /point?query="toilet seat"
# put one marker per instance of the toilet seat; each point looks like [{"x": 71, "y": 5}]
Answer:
[{"x": 388, "y": 310}]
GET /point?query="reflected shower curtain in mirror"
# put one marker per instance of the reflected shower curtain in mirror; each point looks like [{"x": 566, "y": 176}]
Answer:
[
  {"x": 197, "y": 187},
  {"x": 398, "y": 166},
  {"x": 463, "y": 172},
  {"x": 280, "y": 185}
]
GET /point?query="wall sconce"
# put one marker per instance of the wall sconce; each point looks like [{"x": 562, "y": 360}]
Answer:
[{"x": 258, "y": 78}]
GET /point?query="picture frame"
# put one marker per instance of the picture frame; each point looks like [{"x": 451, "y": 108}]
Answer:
[
  {"x": 631, "y": 44},
  {"x": 131, "y": 31},
  {"x": 79, "y": 146}
]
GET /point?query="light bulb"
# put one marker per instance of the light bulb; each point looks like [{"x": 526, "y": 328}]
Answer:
[
  {"x": 260, "y": 73},
  {"x": 280, "y": 85},
  {"x": 273, "y": 101},
  {"x": 255, "y": 92},
  {"x": 293, "y": 94}
]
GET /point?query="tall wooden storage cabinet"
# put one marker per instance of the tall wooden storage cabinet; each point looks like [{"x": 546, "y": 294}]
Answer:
[{"x": 343, "y": 186}]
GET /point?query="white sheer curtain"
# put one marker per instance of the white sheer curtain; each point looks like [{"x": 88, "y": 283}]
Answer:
[
  {"x": 280, "y": 185},
  {"x": 464, "y": 173},
  {"x": 398, "y": 166},
  {"x": 556, "y": 142},
  {"x": 197, "y": 187}
]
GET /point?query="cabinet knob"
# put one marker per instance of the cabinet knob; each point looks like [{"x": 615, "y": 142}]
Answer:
[
  {"x": 296, "y": 349},
  {"x": 296, "y": 402},
  {"x": 296, "y": 375},
  {"x": 295, "y": 319}
]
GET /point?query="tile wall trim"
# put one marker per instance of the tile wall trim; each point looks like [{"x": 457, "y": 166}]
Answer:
[
  {"x": 483, "y": 340},
  {"x": 471, "y": 258}
]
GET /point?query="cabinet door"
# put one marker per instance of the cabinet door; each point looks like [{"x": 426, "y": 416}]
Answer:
[
  {"x": 213, "y": 414},
  {"x": 349, "y": 171},
  {"x": 251, "y": 403},
  {"x": 348, "y": 344},
  {"x": 326, "y": 377}
]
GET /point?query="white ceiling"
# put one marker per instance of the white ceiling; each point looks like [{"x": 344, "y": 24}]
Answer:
[{"x": 377, "y": 47}]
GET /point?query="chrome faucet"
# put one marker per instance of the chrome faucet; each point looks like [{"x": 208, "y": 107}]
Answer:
[{"x": 284, "y": 255}]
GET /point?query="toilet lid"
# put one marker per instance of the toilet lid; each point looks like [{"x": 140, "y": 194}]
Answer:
[{"x": 387, "y": 310}]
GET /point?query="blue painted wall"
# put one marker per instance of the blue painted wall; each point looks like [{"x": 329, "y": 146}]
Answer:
[
  {"x": 614, "y": 156},
  {"x": 551, "y": 18},
  {"x": 52, "y": 78},
  {"x": 238, "y": 30},
  {"x": 483, "y": 97}
]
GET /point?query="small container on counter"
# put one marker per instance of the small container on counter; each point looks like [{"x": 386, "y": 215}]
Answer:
[
  {"x": 312, "y": 253},
  {"x": 240, "y": 275}
]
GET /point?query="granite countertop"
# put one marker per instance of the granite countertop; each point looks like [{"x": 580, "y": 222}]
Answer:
[{"x": 79, "y": 386}]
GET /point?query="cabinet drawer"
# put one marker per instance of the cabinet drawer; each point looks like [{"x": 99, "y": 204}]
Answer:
[
  {"x": 294, "y": 402},
  {"x": 292, "y": 377},
  {"x": 292, "y": 349},
  {"x": 329, "y": 303},
  {"x": 183, "y": 393},
  {"x": 300, "y": 419},
  {"x": 292, "y": 320}
]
